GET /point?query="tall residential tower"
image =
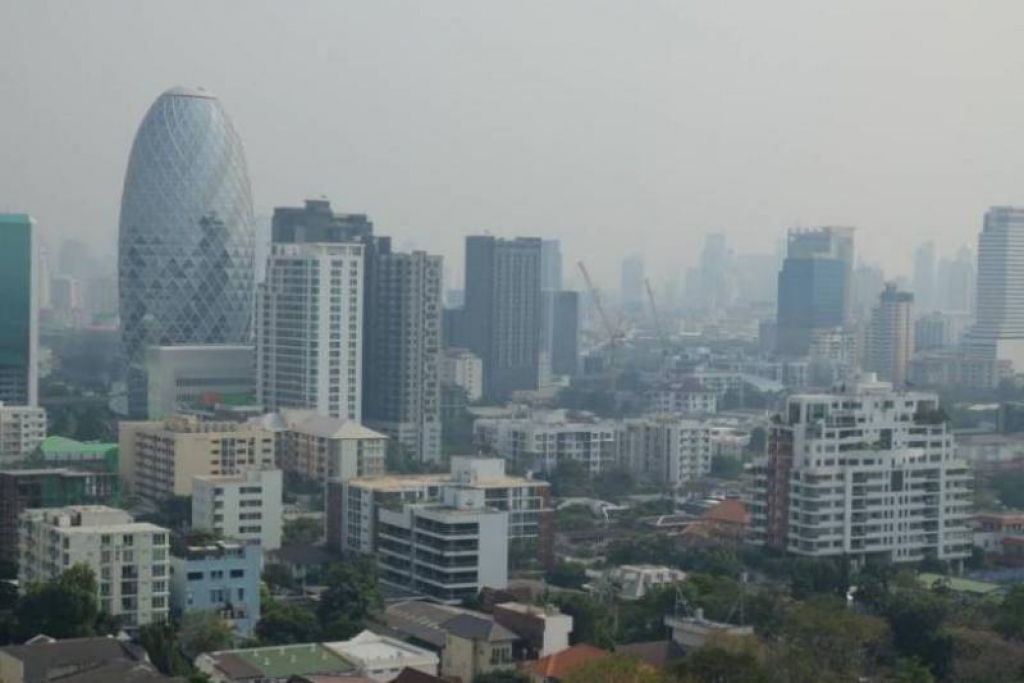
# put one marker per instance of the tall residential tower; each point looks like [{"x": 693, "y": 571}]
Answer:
[{"x": 19, "y": 310}]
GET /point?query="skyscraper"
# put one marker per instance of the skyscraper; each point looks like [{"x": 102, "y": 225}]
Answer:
[
  {"x": 814, "y": 286},
  {"x": 925, "y": 290},
  {"x": 551, "y": 266},
  {"x": 19, "y": 310},
  {"x": 402, "y": 383},
  {"x": 503, "y": 311},
  {"x": 565, "y": 333},
  {"x": 891, "y": 336},
  {"x": 185, "y": 253},
  {"x": 632, "y": 286},
  {"x": 309, "y": 322},
  {"x": 999, "y": 328},
  {"x": 956, "y": 281}
]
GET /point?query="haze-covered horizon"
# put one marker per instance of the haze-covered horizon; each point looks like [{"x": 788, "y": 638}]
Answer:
[{"x": 614, "y": 127}]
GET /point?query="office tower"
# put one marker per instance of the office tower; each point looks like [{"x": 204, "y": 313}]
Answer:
[
  {"x": 185, "y": 252},
  {"x": 402, "y": 378},
  {"x": 565, "y": 333},
  {"x": 956, "y": 281},
  {"x": 936, "y": 331},
  {"x": 714, "y": 274},
  {"x": 925, "y": 289},
  {"x": 503, "y": 312},
  {"x": 19, "y": 310},
  {"x": 128, "y": 558},
  {"x": 868, "y": 284},
  {"x": 184, "y": 377},
  {"x": 631, "y": 290},
  {"x": 309, "y": 329},
  {"x": 814, "y": 286},
  {"x": 159, "y": 459},
  {"x": 891, "y": 336},
  {"x": 550, "y": 266},
  {"x": 999, "y": 316},
  {"x": 866, "y": 472}
]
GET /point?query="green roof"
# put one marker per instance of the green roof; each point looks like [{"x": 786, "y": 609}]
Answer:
[
  {"x": 293, "y": 660},
  {"x": 959, "y": 585},
  {"x": 54, "y": 445}
]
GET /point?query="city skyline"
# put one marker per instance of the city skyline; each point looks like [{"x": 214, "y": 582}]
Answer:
[{"x": 882, "y": 175}]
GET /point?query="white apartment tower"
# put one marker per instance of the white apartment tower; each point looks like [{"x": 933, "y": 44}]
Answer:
[
  {"x": 309, "y": 329},
  {"x": 129, "y": 558},
  {"x": 245, "y": 507},
  {"x": 891, "y": 336},
  {"x": 22, "y": 428},
  {"x": 864, "y": 472},
  {"x": 542, "y": 440},
  {"x": 666, "y": 449},
  {"x": 999, "y": 327}
]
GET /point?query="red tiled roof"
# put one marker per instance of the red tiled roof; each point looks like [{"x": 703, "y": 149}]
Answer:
[
  {"x": 729, "y": 511},
  {"x": 561, "y": 663}
]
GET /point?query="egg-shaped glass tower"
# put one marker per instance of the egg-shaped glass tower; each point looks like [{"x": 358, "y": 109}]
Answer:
[{"x": 185, "y": 252}]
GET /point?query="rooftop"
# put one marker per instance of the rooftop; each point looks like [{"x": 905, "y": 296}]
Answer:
[
  {"x": 560, "y": 664},
  {"x": 55, "y": 445},
  {"x": 280, "y": 661}
]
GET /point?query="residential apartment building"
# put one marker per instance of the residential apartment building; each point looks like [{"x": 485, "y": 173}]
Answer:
[
  {"x": 22, "y": 429},
  {"x": 891, "y": 336},
  {"x": 129, "y": 558},
  {"x": 326, "y": 448},
  {"x": 353, "y": 507},
  {"x": 223, "y": 578},
  {"x": 309, "y": 329},
  {"x": 402, "y": 383},
  {"x": 159, "y": 459},
  {"x": 666, "y": 449},
  {"x": 247, "y": 506},
  {"x": 865, "y": 472},
  {"x": 463, "y": 368},
  {"x": 19, "y": 309},
  {"x": 541, "y": 441},
  {"x": 21, "y": 490},
  {"x": 683, "y": 397},
  {"x": 448, "y": 550}
]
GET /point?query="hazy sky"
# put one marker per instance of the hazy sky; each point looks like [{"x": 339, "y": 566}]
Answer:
[{"x": 611, "y": 124}]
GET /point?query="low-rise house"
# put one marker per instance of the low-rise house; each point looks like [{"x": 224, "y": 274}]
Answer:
[
  {"x": 77, "y": 660},
  {"x": 554, "y": 668},
  {"x": 223, "y": 578},
  {"x": 633, "y": 581},
  {"x": 367, "y": 655},
  {"x": 544, "y": 629},
  {"x": 474, "y": 646},
  {"x": 693, "y": 632}
]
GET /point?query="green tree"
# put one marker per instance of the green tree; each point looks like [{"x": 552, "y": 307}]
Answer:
[
  {"x": 726, "y": 467},
  {"x": 303, "y": 531},
  {"x": 571, "y": 479},
  {"x": 723, "y": 661},
  {"x": 909, "y": 670},
  {"x": 277, "y": 575},
  {"x": 283, "y": 624},
  {"x": 916, "y": 618},
  {"x": 614, "y": 484},
  {"x": 615, "y": 668},
  {"x": 591, "y": 621},
  {"x": 204, "y": 632},
  {"x": 567, "y": 575},
  {"x": 65, "y": 607},
  {"x": 1010, "y": 617},
  {"x": 352, "y": 596},
  {"x": 160, "y": 640}
]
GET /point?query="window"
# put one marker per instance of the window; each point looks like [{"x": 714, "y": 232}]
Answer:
[
  {"x": 217, "y": 574},
  {"x": 237, "y": 573},
  {"x": 217, "y": 595},
  {"x": 195, "y": 576},
  {"x": 128, "y": 539}
]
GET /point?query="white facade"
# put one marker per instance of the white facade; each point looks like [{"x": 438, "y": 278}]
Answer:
[
  {"x": 543, "y": 440},
  {"x": 309, "y": 329},
  {"x": 666, "y": 449},
  {"x": 999, "y": 328},
  {"x": 868, "y": 472},
  {"x": 448, "y": 550},
  {"x": 178, "y": 376},
  {"x": 130, "y": 559},
  {"x": 683, "y": 399},
  {"x": 22, "y": 428},
  {"x": 463, "y": 368},
  {"x": 634, "y": 581},
  {"x": 382, "y": 658},
  {"x": 246, "y": 507}
]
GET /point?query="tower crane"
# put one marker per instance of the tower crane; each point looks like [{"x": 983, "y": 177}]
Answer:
[
  {"x": 662, "y": 335},
  {"x": 615, "y": 332}
]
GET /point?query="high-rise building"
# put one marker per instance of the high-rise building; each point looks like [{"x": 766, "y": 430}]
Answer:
[
  {"x": 956, "y": 280},
  {"x": 402, "y": 377},
  {"x": 22, "y": 428},
  {"x": 550, "y": 266},
  {"x": 891, "y": 336},
  {"x": 925, "y": 269},
  {"x": 19, "y": 310},
  {"x": 999, "y": 328},
  {"x": 185, "y": 253},
  {"x": 565, "y": 333},
  {"x": 631, "y": 288},
  {"x": 309, "y": 329},
  {"x": 861, "y": 473},
  {"x": 129, "y": 558},
  {"x": 868, "y": 283},
  {"x": 503, "y": 311},
  {"x": 462, "y": 368},
  {"x": 714, "y": 276},
  {"x": 814, "y": 286}
]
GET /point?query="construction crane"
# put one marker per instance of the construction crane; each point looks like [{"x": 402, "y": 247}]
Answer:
[
  {"x": 615, "y": 332},
  {"x": 662, "y": 335}
]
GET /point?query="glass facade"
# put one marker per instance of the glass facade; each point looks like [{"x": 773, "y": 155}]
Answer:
[
  {"x": 17, "y": 310},
  {"x": 186, "y": 237}
]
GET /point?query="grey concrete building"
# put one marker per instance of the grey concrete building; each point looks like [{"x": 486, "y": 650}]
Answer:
[{"x": 503, "y": 311}]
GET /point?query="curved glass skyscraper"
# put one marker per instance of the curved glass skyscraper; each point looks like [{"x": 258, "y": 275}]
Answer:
[{"x": 185, "y": 255}]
